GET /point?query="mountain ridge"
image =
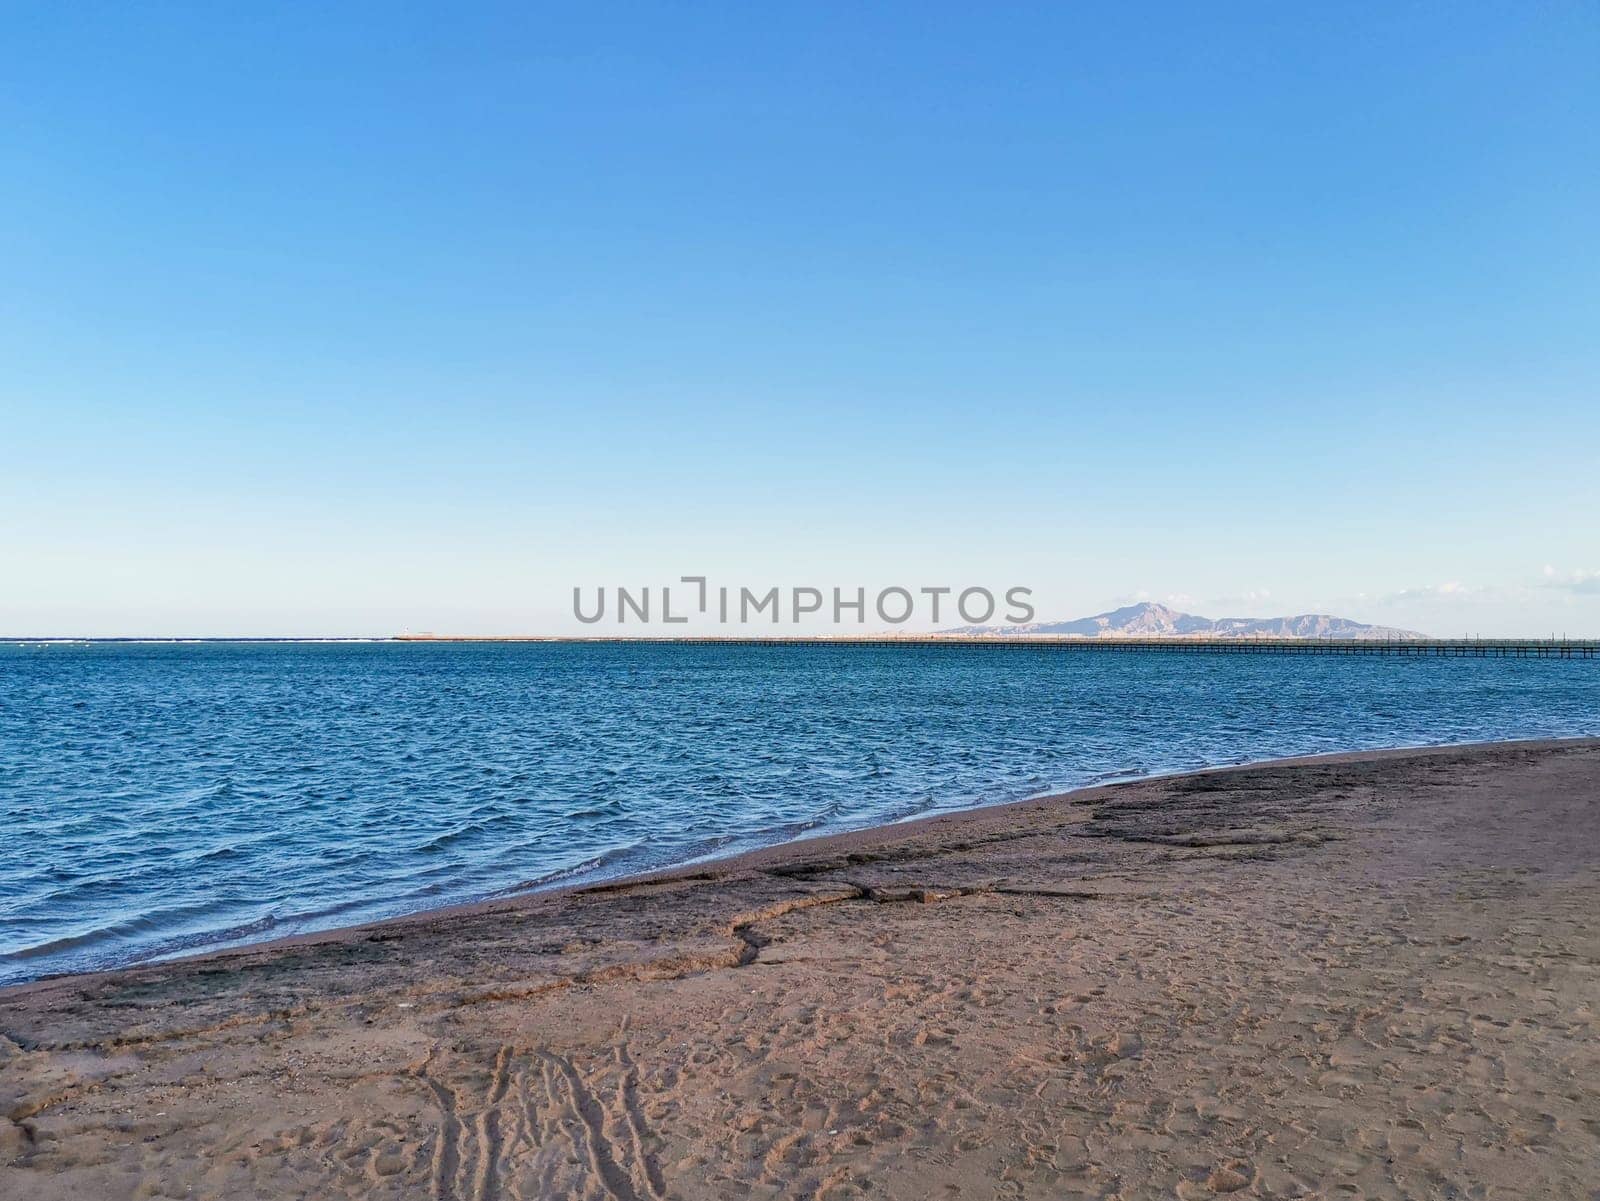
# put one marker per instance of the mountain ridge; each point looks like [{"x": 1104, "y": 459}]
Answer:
[{"x": 1148, "y": 619}]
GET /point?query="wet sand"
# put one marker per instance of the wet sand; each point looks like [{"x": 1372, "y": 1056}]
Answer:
[{"x": 1358, "y": 976}]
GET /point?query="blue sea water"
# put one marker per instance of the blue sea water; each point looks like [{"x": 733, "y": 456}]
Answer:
[{"x": 162, "y": 798}]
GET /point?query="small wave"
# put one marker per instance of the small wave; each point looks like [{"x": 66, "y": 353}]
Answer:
[
  {"x": 115, "y": 932},
  {"x": 609, "y": 808},
  {"x": 594, "y": 865},
  {"x": 449, "y": 838}
]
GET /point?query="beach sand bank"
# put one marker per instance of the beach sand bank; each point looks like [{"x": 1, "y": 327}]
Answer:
[{"x": 1359, "y": 976}]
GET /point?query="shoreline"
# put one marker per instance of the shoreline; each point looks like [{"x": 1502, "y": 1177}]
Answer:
[
  {"x": 1373, "y": 970},
  {"x": 494, "y": 901}
]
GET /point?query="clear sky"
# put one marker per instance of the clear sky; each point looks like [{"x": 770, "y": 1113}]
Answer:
[{"x": 369, "y": 317}]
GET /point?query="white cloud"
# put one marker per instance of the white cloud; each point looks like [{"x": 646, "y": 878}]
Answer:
[
  {"x": 1572, "y": 583},
  {"x": 1450, "y": 590},
  {"x": 1578, "y": 583},
  {"x": 1251, "y": 596}
]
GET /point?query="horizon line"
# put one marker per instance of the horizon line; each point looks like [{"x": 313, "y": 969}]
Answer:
[{"x": 879, "y": 639}]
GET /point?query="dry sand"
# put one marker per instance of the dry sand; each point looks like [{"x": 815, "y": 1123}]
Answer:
[{"x": 1364, "y": 976}]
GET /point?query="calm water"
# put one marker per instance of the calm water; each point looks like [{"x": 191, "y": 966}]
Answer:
[{"x": 162, "y": 798}]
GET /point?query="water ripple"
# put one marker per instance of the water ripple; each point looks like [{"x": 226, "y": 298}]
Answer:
[{"x": 163, "y": 798}]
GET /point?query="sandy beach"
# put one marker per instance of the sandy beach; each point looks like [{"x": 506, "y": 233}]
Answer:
[{"x": 1359, "y": 976}]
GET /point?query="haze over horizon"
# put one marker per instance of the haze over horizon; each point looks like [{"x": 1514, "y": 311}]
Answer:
[
  {"x": 364, "y": 320},
  {"x": 1137, "y": 618}
]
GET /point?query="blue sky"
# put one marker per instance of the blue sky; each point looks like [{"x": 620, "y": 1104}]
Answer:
[{"x": 368, "y": 317}]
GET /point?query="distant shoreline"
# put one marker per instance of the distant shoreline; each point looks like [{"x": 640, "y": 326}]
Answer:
[{"x": 1558, "y": 648}]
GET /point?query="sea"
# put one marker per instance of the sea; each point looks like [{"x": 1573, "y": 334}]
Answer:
[{"x": 159, "y": 799}]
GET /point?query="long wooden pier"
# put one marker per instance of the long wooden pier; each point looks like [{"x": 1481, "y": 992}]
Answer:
[{"x": 1479, "y": 648}]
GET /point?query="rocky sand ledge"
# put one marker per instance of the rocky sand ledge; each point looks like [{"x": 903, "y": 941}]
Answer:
[{"x": 1357, "y": 976}]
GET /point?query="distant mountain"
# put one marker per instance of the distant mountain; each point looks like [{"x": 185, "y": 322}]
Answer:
[{"x": 1149, "y": 620}]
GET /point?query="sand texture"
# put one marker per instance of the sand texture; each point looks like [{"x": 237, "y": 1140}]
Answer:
[{"x": 1363, "y": 976}]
